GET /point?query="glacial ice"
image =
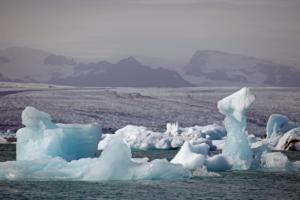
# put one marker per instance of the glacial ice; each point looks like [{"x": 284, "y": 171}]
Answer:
[
  {"x": 116, "y": 163},
  {"x": 195, "y": 157},
  {"x": 187, "y": 158},
  {"x": 140, "y": 137},
  {"x": 275, "y": 161},
  {"x": 2, "y": 140},
  {"x": 41, "y": 138},
  {"x": 44, "y": 149},
  {"x": 290, "y": 140},
  {"x": 237, "y": 147},
  {"x": 278, "y": 125}
]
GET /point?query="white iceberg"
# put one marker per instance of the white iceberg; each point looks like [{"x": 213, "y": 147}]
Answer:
[
  {"x": 44, "y": 148},
  {"x": 289, "y": 141},
  {"x": 278, "y": 125},
  {"x": 195, "y": 158},
  {"x": 41, "y": 138},
  {"x": 189, "y": 159},
  {"x": 237, "y": 146},
  {"x": 143, "y": 138},
  {"x": 116, "y": 163}
]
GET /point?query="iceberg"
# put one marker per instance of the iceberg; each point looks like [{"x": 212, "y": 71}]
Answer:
[
  {"x": 275, "y": 161},
  {"x": 48, "y": 151},
  {"x": 237, "y": 146},
  {"x": 115, "y": 163},
  {"x": 41, "y": 138},
  {"x": 143, "y": 138},
  {"x": 195, "y": 158},
  {"x": 278, "y": 124},
  {"x": 290, "y": 140},
  {"x": 187, "y": 158}
]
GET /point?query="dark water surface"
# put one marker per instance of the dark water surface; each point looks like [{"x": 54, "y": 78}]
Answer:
[{"x": 229, "y": 185}]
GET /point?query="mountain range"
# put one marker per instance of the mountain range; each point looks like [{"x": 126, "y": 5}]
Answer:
[{"x": 205, "y": 68}]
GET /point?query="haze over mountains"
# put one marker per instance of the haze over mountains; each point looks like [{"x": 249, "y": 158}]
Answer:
[{"x": 205, "y": 68}]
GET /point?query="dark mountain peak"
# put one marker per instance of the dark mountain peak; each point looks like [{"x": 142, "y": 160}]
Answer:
[{"x": 129, "y": 61}]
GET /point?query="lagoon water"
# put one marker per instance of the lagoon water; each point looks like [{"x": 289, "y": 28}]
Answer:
[{"x": 229, "y": 185}]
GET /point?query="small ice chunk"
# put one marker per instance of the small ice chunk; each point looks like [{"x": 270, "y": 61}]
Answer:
[
  {"x": 172, "y": 128},
  {"x": 2, "y": 140},
  {"x": 275, "y": 161},
  {"x": 187, "y": 158}
]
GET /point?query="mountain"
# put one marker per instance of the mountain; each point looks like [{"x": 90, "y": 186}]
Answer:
[
  {"x": 29, "y": 65},
  {"x": 215, "y": 68},
  {"x": 126, "y": 73},
  {"x": 32, "y": 65}
]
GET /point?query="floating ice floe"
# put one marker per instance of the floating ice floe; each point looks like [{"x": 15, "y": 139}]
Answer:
[{"x": 139, "y": 137}]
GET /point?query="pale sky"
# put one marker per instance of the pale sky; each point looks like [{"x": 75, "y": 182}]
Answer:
[{"x": 157, "y": 28}]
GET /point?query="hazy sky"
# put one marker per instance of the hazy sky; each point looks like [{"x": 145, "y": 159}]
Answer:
[{"x": 158, "y": 28}]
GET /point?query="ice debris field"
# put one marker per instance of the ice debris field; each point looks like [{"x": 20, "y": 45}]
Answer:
[{"x": 49, "y": 151}]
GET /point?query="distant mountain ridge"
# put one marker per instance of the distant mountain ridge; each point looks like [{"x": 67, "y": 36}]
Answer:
[
  {"x": 31, "y": 65},
  {"x": 126, "y": 73},
  {"x": 205, "y": 68},
  {"x": 215, "y": 68}
]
